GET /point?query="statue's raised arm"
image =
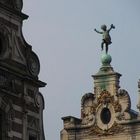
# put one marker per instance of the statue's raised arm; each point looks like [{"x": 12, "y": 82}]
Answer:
[
  {"x": 98, "y": 31},
  {"x": 106, "y": 37},
  {"x": 111, "y": 27}
]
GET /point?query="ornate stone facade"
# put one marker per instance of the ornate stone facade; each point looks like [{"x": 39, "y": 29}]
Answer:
[
  {"x": 21, "y": 103},
  {"x": 106, "y": 113}
]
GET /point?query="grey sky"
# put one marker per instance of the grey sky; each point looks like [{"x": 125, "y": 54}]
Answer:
[{"x": 60, "y": 32}]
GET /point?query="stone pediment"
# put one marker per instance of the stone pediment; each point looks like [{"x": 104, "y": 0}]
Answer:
[{"x": 102, "y": 115}]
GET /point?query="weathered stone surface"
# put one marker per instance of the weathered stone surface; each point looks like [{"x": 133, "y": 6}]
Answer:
[
  {"x": 21, "y": 103},
  {"x": 14, "y": 4},
  {"x": 106, "y": 113}
]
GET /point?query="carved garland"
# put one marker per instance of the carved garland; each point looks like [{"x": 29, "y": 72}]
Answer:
[
  {"x": 113, "y": 130},
  {"x": 106, "y": 98}
]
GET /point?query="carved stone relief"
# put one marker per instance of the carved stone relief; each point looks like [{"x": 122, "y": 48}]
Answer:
[
  {"x": 18, "y": 4},
  {"x": 15, "y": 4},
  {"x": 115, "y": 129},
  {"x": 17, "y": 86},
  {"x": 104, "y": 111},
  {"x": 17, "y": 53},
  {"x": 37, "y": 99},
  {"x": 105, "y": 98},
  {"x": 105, "y": 116},
  {"x": 88, "y": 109},
  {"x": 33, "y": 64},
  {"x": 125, "y": 102},
  {"x": 10, "y": 83},
  {"x": 33, "y": 95},
  {"x": 4, "y": 41},
  {"x": 33, "y": 123},
  {"x": 9, "y": 113}
]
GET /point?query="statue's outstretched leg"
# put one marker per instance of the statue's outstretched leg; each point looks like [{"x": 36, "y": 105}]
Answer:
[
  {"x": 102, "y": 45},
  {"x": 106, "y": 48}
]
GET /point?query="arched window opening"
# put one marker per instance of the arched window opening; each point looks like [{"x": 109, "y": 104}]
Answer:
[{"x": 105, "y": 115}]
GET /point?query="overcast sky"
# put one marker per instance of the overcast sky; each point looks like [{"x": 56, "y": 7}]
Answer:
[{"x": 61, "y": 33}]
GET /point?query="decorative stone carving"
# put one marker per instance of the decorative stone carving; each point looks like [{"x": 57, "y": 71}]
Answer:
[
  {"x": 33, "y": 64},
  {"x": 105, "y": 98},
  {"x": 17, "y": 51},
  {"x": 33, "y": 123},
  {"x": 14, "y": 4},
  {"x": 89, "y": 118},
  {"x": 18, "y": 4},
  {"x": 33, "y": 96},
  {"x": 9, "y": 113},
  {"x": 102, "y": 111},
  {"x": 4, "y": 41},
  {"x": 17, "y": 86},
  {"x": 10, "y": 83},
  {"x": 37, "y": 99},
  {"x": 88, "y": 109},
  {"x": 105, "y": 116},
  {"x": 125, "y": 102},
  {"x": 117, "y": 106},
  {"x": 99, "y": 132},
  {"x": 108, "y": 108},
  {"x": 8, "y": 24},
  {"x": 18, "y": 71}
]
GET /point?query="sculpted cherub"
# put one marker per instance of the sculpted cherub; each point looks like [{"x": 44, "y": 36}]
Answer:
[{"x": 106, "y": 36}]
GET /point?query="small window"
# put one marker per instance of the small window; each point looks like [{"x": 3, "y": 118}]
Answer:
[
  {"x": 105, "y": 115},
  {"x": 32, "y": 137}
]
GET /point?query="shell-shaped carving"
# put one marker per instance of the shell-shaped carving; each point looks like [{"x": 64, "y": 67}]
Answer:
[
  {"x": 124, "y": 100},
  {"x": 86, "y": 97},
  {"x": 88, "y": 108},
  {"x": 33, "y": 64}
]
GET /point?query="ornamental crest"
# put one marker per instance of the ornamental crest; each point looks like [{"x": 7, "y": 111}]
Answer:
[{"x": 105, "y": 98}]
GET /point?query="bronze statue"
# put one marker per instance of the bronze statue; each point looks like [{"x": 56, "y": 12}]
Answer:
[{"x": 106, "y": 36}]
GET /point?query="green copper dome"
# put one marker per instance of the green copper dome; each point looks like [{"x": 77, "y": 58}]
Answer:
[{"x": 106, "y": 59}]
